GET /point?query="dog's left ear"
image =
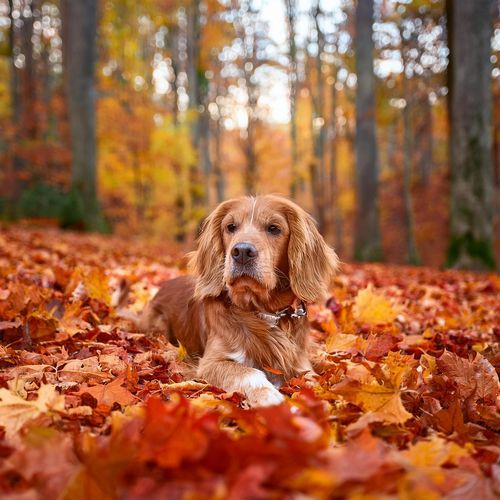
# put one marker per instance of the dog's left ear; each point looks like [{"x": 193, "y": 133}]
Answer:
[
  {"x": 207, "y": 261},
  {"x": 311, "y": 261}
]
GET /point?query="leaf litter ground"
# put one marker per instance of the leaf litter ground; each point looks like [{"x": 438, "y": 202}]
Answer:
[{"x": 405, "y": 404}]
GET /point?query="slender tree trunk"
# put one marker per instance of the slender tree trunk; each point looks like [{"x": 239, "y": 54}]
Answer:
[
  {"x": 197, "y": 189},
  {"x": 14, "y": 179},
  {"x": 411, "y": 247},
  {"x": 251, "y": 170},
  {"x": 220, "y": 184},
  {"x": 27, "y": 80},
  {"x": 319, "y": 181},
  {"x": 251, "y": 158},
  {"x": 471, "y": 210},
  {"x": 334, "y": 191},
  {"x": 367, "y": 235},
  {"x": 423, "y": 135},
  {"x": 14, "y": 77},
  {"x": 291, "y": 9},
  {"x": 80, "y": 54}
]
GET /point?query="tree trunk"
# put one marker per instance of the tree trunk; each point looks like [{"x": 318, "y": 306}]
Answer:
[
  {"x": 411, "y": 247},
  {"x": 197, "y": 189},
  {"x": 471, "y": 210},
  {"x": 251, "y": 158},
  {"x": 367, "y": 235},
  {"x": 14, "y": 179},
  {"x": 291, "y": 9},
  {"x": 423, "y": 134},
  {"x": 220, "y": 183},
  {"x": 80, "y": 54},
  {"x": 318, "y": 177},
  {"x": 14, "y": 77},
  {"x": 334, "y": 191},
  {"x": 27, "y": 80}
]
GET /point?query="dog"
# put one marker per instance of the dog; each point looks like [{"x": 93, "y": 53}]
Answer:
[{"x": 243, "y": 314}]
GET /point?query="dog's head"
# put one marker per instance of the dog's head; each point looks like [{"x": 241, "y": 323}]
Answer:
[{"x": 254, "y": 246}]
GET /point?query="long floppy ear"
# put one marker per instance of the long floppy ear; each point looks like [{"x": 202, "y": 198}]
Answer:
[
  {"x": 207, "y": 261},
  {"x": 311, "y": 261}
]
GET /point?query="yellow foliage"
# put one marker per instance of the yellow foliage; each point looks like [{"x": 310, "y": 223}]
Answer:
[
  {"x": 373, "y": 308},
  {"x": 434, "y": 453},
  {"x": 343, "y": 342}
]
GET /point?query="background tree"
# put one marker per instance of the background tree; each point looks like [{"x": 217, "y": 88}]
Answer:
[
  {"x": 80, "y": 19},
  {"x": 367, "y": 239},
  {"x": 471, "y": 212}
]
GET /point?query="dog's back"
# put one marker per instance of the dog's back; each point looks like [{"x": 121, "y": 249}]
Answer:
[{"x": 173, "y": 312}]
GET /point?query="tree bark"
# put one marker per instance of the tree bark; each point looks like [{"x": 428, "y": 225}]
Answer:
[
  {"x": 367, "y": 236},
  {"x": 197, "y": 188},
  {"x": 423, "y": 134},
  {"x": 318, "y": 170},
  {"x": 80, "y": 55},
  {"x": 411, "y": 247},
  {"x": 28, "y": 84},
  {"x": 471, "y": 204},
  {"x": 334, "y": 190},
  {"x": 291, "y": 9},
  {"x": 220, "y": 183},
  {"x": 14, "y": 77}
]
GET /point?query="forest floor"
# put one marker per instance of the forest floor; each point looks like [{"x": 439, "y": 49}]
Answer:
[{"x": 404, "y": 405}]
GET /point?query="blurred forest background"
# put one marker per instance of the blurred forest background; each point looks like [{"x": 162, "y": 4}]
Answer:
[{"x": 382, "y": 118}]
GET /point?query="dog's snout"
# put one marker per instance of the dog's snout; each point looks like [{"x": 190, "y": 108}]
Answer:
[{"x": 243, "y": 253}]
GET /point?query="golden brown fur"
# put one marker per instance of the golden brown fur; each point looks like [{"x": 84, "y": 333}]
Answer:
[{"x": 255, "y": 256}]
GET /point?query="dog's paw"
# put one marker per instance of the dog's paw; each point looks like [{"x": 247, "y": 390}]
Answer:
[{"x": 264, "y": 396}]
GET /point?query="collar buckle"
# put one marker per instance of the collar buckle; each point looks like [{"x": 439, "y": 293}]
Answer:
[{"x": 290, "y": 311}]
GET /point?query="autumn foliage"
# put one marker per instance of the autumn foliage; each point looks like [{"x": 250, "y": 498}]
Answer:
[{"x": 404, "y": 403}]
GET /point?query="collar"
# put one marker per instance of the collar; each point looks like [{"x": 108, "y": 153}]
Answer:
[{"x": 290, "y": 311}]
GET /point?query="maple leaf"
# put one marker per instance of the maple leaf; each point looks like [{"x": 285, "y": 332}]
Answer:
[
  {"x": 373, "y": 308},
  {"x": 92, "y": 282},
  {"x": 71, "y": 322},
  {"x": 344, "y": 342},
  {"x": 110, "y": 393},
  {"x": 477, "y": 380},
  {"x": 433, "y": 452},
  {"x": 380, "y": 399},
  {"x": 16, "y": 411}
]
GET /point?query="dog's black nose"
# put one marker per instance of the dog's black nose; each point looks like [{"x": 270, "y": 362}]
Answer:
[{"x": 243, "y": 253}]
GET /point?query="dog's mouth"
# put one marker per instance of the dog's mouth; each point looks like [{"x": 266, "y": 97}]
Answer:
[{"x": 244, "y": 275}]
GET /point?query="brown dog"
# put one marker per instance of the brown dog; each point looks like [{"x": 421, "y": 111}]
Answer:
[{"x": 259, "y": 262}]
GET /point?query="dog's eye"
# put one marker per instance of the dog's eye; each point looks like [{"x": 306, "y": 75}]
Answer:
[
  {"x": 231, "y": 228},
  {"x": 273, "y": 229}
]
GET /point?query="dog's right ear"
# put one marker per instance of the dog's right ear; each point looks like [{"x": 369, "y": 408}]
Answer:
[{"x": 207, "y": 261}]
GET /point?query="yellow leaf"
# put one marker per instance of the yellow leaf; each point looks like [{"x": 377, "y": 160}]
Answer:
[
  {"x": 399, "y": 367},
  {"x": 373, "y": 308},
  {"x": 91, "y": 282},
  {"x": 381, "y": 400},
  {"x": 16, "y": 411},
  {"x": 434, "y": 453},
  {"x": 97, "y": 285},
  {"x": 181, "y": 352},
  {"x": 343, "y": 342}
]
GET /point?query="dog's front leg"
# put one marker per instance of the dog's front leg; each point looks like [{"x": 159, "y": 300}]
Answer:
[{"x": 233, "y": 376}]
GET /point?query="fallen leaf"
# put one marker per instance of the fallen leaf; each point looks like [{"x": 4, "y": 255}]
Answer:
[
  {"x": 16, "y": 411},
  {"x": 373, "y": 308},
  {"x": 110, "y": 393}
]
